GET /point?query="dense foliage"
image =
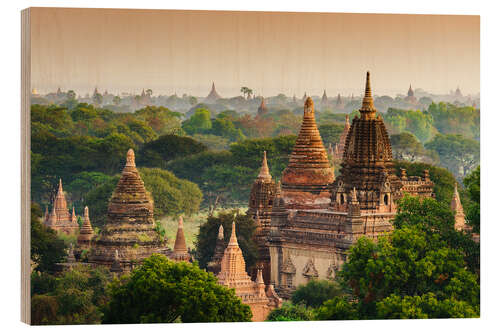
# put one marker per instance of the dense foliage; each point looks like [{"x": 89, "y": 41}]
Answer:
[
  {"x": 315, "y": 293},
  {"x": 75, "y": 297},
  {"x": 473, "y": 189},
  {"x": 291, "y": 312},
  {"x": 46, "y": 248},
  {"x": 162, "y": 291}
]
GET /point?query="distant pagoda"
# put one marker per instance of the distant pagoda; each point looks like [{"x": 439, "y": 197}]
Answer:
[
  {"x": 180, "y": 252},
  {"x": 306, "y": 179},
  {"x": 410, "y": 98},
  {"x": 262, "y": 107},
  {"x": 324, "y": 99},
  {"x": 213, "y": 95},
  {"x": 130, "y": 227},
  {"x": 339, "y": 104}
]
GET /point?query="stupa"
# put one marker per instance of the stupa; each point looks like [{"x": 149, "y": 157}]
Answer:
[
  {"x": 214, "y": 264},
  {"x": 180, "y": 252},
  {"x": 339, "y": 149},
  {"x": 262, "y": 107},
  {"x": 86, "y": 232},
  {"x": 130, "y": 226},
  {"x": 306, "y": 179},
  {"x": 213, "y": 95}
]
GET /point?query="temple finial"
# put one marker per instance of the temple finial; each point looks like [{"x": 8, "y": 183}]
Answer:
[
  {"x": 367, "y": 106},
  {"x": 233, "y": 240},
  {"x": 86, "y": 212},
  {"x": 221, "y": 232},
  {"x": 264, "y": 170},
  {"x": 130, "y": 158},
  {"x": 309, "y": 106}
]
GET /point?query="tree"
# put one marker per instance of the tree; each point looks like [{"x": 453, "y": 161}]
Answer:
[
  {"x": 457, "y": 153},
  {"x": 245, "y": 229},
  {"x": 46, "y": 248},
  {"x": 117, "y": 100},
  {"x": 315, "y": 293},
  {"x": 246, "y": 91},
  {"x": 159, "y": 152},
  {"x": 163, "y": 291},
  {"x": 330, "y": 133},
  {"x": 291, "y": 312},
  {"x": 405, "y": 146},
  {"x": 473, "y": 187},
  {"x": 199, "y": 122}
]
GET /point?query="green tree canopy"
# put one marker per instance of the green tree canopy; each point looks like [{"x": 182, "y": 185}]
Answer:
[
  {"x": 199, "y": 122},
  {"x": 457, "y": 153},
  {"x": 162, "y": 291},
  {"x": 46, "y": 248},
  {"x": 316, "y": 292},
  {"x": 330, "y": 133},
  {"x": 291, "y": 312},
  {"x": 473, "y": 187},
  {"x": 159, "y": 152}
]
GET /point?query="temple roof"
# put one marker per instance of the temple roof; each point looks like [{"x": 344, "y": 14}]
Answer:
[
  {"x": 367, "y": 140},
  {"x": 410, "y": 92},
  {"x": 233, "y": 264},
  {"x": 309, "y": 157}
]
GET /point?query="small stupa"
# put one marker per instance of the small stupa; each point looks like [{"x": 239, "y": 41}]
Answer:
[
  {"x": 213, "y": 95},
  {"x": 180, "y": 252},
  {"x": 86, "y": 232},
  {"x": 130, "y": 226}
]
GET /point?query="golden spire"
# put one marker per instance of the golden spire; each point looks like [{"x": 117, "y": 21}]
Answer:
[
  {"x": 309, "y": 107},
  {"x": 368, "y": 109},
  {"x": 264, "y": 170},
  {"x": 130, "y": 158},
  {"x": 233, "y": 241}
]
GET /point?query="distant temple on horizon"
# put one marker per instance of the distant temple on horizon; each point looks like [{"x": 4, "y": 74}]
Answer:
[
  {"x": 410, "y": 98},
  {"x": 213, "y": 95}
]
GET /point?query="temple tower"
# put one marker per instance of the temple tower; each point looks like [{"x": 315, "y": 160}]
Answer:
[
  {"x": 213, "y": 95},
  {"x": 339, "y": 150},
  {"x": 367, "y": 163},
  {"x": 306, "y": 179},
  {"x": 324, "y": 100},
  {"x": 456, "y": 207},
  {"x": 180, "y": 252},
  {"x": 214, "y": 264},
  {"x": 339, "y": 104},
  {"x": 60, "y": 219},
  {"x": 130, "y": 226},
  {"x": 410, "y": 98},
  {"x": 233, "y": 275},
  {"x": 86, "y": 232},
  {"x": 262, "y": 107}
]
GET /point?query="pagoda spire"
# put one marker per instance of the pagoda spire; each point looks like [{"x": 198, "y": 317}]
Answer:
[
  {"x": 180, "y": 241},
  {"x": 264, "y": 174},
  {"x": 221, "y": 232},
  {"x": 233, "y": 241},
  {"x": 368, "y": 109}
]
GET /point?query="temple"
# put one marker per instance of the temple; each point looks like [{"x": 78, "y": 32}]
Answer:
[
  {"x": 315, "y": 218},
  {"x": 86, "y": 232},
  {"x": 214, "y": 264},
  {"x": 180, "y": 252},
  {"x": 129, "y": 234},
  {"x": 339, "y": 104},
  {"x": 262, "y": 110},
  {"x": 324, "y": 100},
  {"x": 260, "y": 298},
  {"x": 338, "y": 152},
  {"x": 213, "y": 95},
  {"x": 60, "y": 219},
  {"x": 410, "y": 98},
  {"x": 259, "y": 208}
]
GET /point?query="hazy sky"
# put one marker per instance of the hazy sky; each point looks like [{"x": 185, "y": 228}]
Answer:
[{"x": 292, "y": 53}]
